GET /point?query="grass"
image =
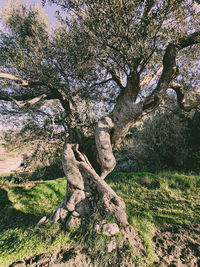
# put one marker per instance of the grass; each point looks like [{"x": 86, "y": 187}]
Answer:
[
  {"x": 20, "y": 209},
  {"x": 154, "y": 200},
  {"x": 151, "y": 201}
]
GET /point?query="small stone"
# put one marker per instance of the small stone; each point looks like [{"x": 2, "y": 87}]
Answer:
[
  {"x": 97, "y": 227},
  {"x": 112, "y": 244},
  {"x": 75, "y": 214},
  {"x": 110, "y": 229}
]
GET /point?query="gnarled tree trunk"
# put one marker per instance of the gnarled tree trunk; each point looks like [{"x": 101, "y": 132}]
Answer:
[{"x": 87, "y": 190}]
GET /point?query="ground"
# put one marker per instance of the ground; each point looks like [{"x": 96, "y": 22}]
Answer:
[
  {"x": 178, "y": 245},
  {"x": 175, "y": 246},
  {"x": 164, "y": 208},
  {"x": 9, "y": 161}
]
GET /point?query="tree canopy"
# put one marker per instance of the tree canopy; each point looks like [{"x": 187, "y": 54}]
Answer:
[{"x": 100, "y": 50}]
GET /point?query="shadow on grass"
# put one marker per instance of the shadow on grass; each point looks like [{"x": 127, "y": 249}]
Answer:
[{"x": 10, "y": 217}]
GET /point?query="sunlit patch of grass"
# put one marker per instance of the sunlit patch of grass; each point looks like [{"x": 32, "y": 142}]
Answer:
[
  {"x": 20, "y": 209},
  {"x": 40, "y": 199},
  {"x": 156, "y": 199},
  {"x": 163, "y": 198}
]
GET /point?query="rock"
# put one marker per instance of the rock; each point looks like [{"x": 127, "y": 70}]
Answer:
[
  {"x": 75, "y": 214},
  {"x": 74, "y": 222},
  {"x": 97, "y": 227},
  {"x": 110, "y": 229},
  {"x": 112, "y": 244}
]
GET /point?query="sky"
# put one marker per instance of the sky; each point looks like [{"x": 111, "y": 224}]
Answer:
[{"x": 49, "y": 9}]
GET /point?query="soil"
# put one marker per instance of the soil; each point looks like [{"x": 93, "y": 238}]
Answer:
[
  {"x": 178, "y": 246},
  {"x": 175, "y": 246}
]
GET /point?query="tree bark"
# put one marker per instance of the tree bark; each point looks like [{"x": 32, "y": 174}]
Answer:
[{"x": 87, "y": 192}]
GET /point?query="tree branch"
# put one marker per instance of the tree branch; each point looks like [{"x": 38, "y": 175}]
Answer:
[
  {"x": 100, "y": 83},
  {"x": 170, "y": 69},
  {"x": 54, "y": 93},
  {"x": 149, "y": 78},
  {"x": 30, "y": 102},
  {"x": 180, "y": 97},
  {"x": 19, "y": 81},
  {"x": 116, "y": 79},
  {"x": 150, "y": 104},
  {"x": 186, "y": 41}
]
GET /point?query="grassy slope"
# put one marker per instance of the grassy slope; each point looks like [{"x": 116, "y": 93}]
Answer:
[{"x": 152, "y": 200}]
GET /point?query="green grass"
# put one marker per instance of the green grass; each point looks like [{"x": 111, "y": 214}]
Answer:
[
  {"x": 20, "y": 209},
  {"x": 154, "y": 200},
  {"x": 151, "y": 201},
  {"x": 160, "y": 199}
]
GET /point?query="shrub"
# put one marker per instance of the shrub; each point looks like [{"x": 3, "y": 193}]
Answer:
[{"x": 166, "y": 141}]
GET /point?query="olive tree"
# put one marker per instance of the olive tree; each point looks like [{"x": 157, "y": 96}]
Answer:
[{"x": 108, "y": 64}]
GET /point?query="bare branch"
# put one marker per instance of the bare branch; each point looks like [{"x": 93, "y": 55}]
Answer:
[
  {"x": 116, "y": 79},
  {"x": 170, "y": 69},
  {"x": 54, "y": 93},
  {"x": 186, "y": 41},
  {"x": 19, "y": 81},
  {"x": 30, "y": 102},
  {"x": 148, "y": 9},
  {"x": 100, "y": 83},
  {"x": 180, "y": 97}
]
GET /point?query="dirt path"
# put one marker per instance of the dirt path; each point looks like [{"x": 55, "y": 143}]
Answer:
[
  {"x": 9, "y": 161},
  {"x": 10, "y": 164}
]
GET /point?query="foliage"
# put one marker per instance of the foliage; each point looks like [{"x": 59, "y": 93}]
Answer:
[
  {"x": 88, "y": 58},
  {"x": 31, "y": 52},
  {"x": 167, "y": 140},
  {"x": 151, "y": 200},
  {"x": 97, "y": 57}
]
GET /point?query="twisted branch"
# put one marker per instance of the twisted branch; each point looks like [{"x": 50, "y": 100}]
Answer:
[{"x": 180, "y": 97}]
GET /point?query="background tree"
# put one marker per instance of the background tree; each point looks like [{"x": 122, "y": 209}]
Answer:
[{"x": 119, "y": 56}]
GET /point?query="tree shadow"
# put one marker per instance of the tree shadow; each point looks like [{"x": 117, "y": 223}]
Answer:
[{"x": 10, "y": 217}]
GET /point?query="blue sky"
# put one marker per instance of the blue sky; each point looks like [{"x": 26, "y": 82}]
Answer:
[{"x": 49, "y": 9}]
